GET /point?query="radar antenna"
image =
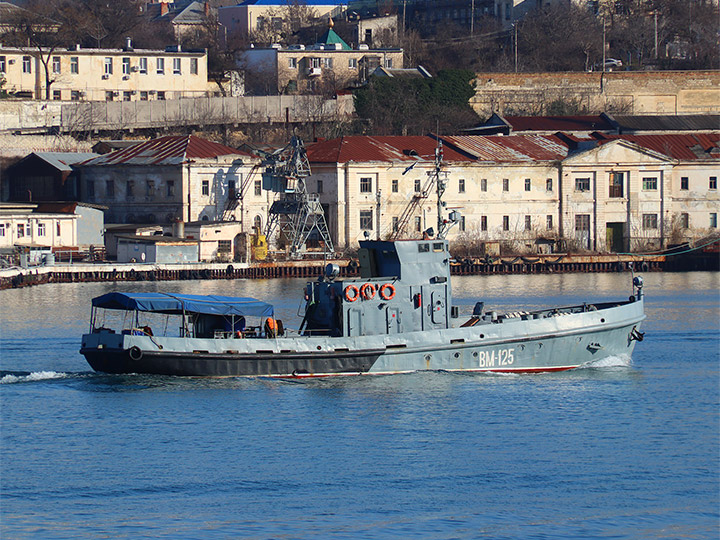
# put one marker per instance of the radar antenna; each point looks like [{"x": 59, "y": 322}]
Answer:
[
  {"x": 443, "y": 225},
  {"x": 295, "y": 215}
]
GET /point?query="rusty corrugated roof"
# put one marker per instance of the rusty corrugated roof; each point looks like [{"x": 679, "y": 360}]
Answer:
[
  {"x": 170, "y": 150},
  {"x": 688, "y": 147},
  {"x": 511, "y": 148},
  {"x": 364, "y": 148}
]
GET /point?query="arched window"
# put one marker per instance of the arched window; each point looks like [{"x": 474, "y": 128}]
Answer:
[
  {"x": 205, "y": 218},
  {"x": 257, "y": 223}
]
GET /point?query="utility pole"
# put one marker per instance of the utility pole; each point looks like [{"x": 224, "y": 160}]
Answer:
[
  {"x": 472, "y": 17},
  {"x": 603, "y": 46},
  {"x": 656, "y": 36},
  {"x": 515, "y": 26}
]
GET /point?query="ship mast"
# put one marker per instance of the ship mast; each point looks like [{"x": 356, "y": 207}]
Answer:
[{"x": 443, "y": 225}]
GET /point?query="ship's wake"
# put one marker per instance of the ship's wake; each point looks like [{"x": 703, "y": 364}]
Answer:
[
  {"x": 12, "y": 377},
  {"x": 616, "y": 361}
]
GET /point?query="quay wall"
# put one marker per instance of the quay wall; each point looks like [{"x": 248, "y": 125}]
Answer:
[{"x": 17, "y": 277}]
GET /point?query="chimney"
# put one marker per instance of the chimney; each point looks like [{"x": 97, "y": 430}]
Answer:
[
  {"x": 163, "y": 8},
  {"x": 128, "y": 44}
]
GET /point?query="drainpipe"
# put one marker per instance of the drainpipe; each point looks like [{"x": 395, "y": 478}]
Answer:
[
  {"x": 344, "y": 198},
  {"x": 561, "y": 207},
  {"x": 189, "y": 196}
]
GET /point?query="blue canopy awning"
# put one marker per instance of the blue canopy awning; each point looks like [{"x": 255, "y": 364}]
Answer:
[{"x": 188, "y": 303}]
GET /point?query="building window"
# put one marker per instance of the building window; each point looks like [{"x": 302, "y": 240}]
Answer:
[
  {"x": 713, "y": 182},
  {"x": 366, "y": 220},
  {"x": 90, "y": 188},
  {"x": 150, "y": 188},
  {"x": 483, "y": 184},
  {"x": 649, "y": 221},
  {"x": 161, "y": 95},
  {"x": 58, "y": 229},
  {"x": 366, "y": 185},
  {"x": 506, "y": 184},
  {"x": 143, "y": 95},
  {"x": 548, "y": 184},
  {"x": 127, "y": 96},
  {"x": 684, "y": 220},
  {"x": 109, "y": 96},
  {"x": 3, "y": 68},
  {"x": 582, "y": 222},
  {"x": 21, "y": 230},
  {"x": 582, "y": 184},
  {"x": 319, "y": 186},
  {"x": 528, "y": 223},
  {"x": 528, "y": 184},
  {"x": 395, "y": 223},
  {"x": 56, "y": 64},
  {"x": 549, "y": 222},
  {"x": 142, "y": 66},
  {"x": 352, "y": 63},
  {"x": 27, "y": 66},
  {"x": 258, "y": 187},
  {"x": 2, "y": 229},
  {"x": 418, "y": 223},
  {"x": 314, "y": 62},
  {"x": 418, "y": 185},
  {"x": 177, "y": 64},
  {"x": 41, "y": 229},
  {"x": 57, "y": 95},
  {"x": 224, "y": 246},
  {"x": 506, "y": 223},
  {"x": 126, "y": 66},
  {"x": 650, "y": 183},
  {"x": 389, "y": 63},
  {"x": 684, "y": 183},
  {"x": 616, "y": 185},
  {"x": 713, "y": 220},
  {"x": 394, "y": 185},
  {"x": 160, "y": 66},
  {"x": 193, "y": 66},
  {"x": 74, "y": 65},
  {"x": 206, "y": 187},
  {"x": 328, "y": 63},
  {"x": 292, "y": 63},
  {"x": 170, "y": 188},
  {"x": 462, "y": 223},
  {"x": 109, "y": 188},
  {"x": 483, "y": 223},
  {"x": 74, "y": 95},
  {"x": 461, "y": 185},
  {"x": 108, "y": 66},
  {"x": 130, "y": 191}
]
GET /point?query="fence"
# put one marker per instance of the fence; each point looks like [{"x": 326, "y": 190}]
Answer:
[{"x": 83, "y": 116}]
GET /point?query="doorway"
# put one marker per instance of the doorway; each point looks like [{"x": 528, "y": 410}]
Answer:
[{"x": 615, "y": 237}]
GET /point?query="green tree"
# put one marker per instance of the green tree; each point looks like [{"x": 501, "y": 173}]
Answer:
[{"x": 401, "y": 106}]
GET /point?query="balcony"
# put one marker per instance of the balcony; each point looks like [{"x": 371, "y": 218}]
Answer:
[{"x": 314, "y": 72}]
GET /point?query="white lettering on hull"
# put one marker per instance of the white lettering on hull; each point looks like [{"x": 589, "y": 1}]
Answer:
[{"x": 496, "y": 357}]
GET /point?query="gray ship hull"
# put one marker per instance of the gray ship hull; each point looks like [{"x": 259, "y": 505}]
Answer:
[{"x": 512, "y": 344}]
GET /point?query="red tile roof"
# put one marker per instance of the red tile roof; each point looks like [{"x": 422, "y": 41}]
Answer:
[{"x": 171, "y": 150}]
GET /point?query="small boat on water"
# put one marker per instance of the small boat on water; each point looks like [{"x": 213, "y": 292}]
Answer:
[{"x": 397, "y": 317}]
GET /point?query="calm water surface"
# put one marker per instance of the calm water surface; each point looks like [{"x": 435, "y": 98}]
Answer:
[{"x": 618, "y": 450}]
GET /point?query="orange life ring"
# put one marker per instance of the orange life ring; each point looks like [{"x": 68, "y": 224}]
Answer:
[
  {"x": 368, "y": 291},
  {"x": 385, "y": 295},
  {"x": 352, "y": 293}
]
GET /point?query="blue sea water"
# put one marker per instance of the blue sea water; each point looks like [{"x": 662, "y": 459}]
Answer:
[{"x": 623, "y": 449}]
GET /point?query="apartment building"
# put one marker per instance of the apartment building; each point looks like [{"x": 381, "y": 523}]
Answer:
[
  {"x": 328, "y": 64},
  {"x": 126, "y": 74}
]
